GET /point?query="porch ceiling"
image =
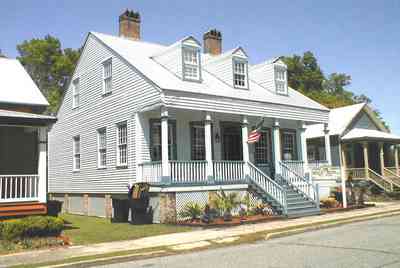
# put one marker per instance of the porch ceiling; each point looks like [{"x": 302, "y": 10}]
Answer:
[
  {"x": 19, "y": 118},
  {"x": 359, "y": 134}
]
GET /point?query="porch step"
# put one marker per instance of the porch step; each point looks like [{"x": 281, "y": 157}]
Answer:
[
  {"x": 22, "y": 208},
  {"x": 304, "y": 212}
]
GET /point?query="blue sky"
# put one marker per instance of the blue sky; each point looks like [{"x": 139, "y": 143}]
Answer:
[{"x": 360, "y": 38}]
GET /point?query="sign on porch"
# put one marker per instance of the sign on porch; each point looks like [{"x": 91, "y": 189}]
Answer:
[{"x": 255, "y": 135}]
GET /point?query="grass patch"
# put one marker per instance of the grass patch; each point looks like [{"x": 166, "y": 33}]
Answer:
[{"x": 84, "y": 230}]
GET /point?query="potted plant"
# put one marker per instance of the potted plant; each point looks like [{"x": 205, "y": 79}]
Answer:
[
  {"x": 225, "y": 203},
  {"x": 191, "y": 210}
]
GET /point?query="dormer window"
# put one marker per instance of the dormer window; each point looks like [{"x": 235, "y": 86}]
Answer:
[
  {"x": 191, "y": 63},
  {"x": 280, "y": 80},
  {"x": 240, "y": 73}
]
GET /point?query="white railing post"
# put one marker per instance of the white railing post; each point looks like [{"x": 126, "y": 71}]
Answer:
[
  {"x": 396, "y": 159},
  {"x": 42, "y": 164},
  {"x": 166, "y": 178},
  {"x": 208, "y": 147},
  {"x": 277, "y": 145},
  {"x": 246, "y": 156},
  {"x": 328, "y": 155}
]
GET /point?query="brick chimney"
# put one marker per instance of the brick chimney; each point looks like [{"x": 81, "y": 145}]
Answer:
[
  {"x": 213, "y": 42},
  {"x": 129, "y": 25}
]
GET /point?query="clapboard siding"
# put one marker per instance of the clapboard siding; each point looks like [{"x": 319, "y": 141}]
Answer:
[
  {"x": 96, "y": 111},
  {"x": 201, "y": 102},
  {"x": 365, "y": 122}
]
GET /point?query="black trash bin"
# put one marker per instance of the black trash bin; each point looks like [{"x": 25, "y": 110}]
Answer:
[{"x": 121, "y": 210}]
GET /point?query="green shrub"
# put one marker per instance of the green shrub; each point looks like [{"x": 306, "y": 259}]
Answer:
[
  {"x": 34, "y": 226},
  {"x": 191, "y": 210}
]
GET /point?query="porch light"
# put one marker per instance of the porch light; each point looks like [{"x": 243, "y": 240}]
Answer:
[{"x": 217, "y": 138}]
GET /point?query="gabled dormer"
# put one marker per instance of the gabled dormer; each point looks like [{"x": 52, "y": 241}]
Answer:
[
  {"x": 230, "y": 67},
  {"x": 182, "y": 58},
  {"x": 272, "y": 75}
]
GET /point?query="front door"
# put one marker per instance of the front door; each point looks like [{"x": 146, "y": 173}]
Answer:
[
  {"x": 231, "y": 141},
  {"x": 263, "y": 152}
]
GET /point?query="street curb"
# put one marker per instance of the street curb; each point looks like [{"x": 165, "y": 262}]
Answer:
[
  {"x": 277, "y": 234},
  {"x": 315, "y": 227}
]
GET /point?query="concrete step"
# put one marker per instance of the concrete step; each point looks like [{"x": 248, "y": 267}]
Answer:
[
  {"x": 301, "y": 204},
  {"x": 303, "y": 213}
]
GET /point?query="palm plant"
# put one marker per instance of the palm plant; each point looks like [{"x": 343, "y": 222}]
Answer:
[
  {"x": 225, "y": 203},
  {"x": 191, "y": 210}
]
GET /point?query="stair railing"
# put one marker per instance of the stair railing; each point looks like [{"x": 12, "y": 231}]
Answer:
[
  {"x": 392, "y": 175},
  {"x": 299, "y": 183},
  {"x": 273, "y": 189},
  {"x": 385, "y": 183}
]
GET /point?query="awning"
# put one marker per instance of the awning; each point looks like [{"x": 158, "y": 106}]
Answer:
[
  {"x": 359, "y": 134},
  {"x": 19, "y": 118}
]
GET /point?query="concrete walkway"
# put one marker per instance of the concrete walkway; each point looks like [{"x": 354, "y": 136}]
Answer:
[{"x": 190, "y": 237}]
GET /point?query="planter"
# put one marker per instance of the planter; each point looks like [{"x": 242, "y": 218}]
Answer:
[{"x": 235, "y": 220}]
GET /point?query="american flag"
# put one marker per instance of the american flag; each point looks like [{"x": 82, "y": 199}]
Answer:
[{"x": 255, "y": 135}]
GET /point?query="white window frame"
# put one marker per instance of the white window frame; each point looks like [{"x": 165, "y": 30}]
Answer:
[
  {"x": 76, "y": 154},
  {"x": 245, "y": 73},
  {"x": 280, "y": 78},
  {"x": 107, "y": 76},
  {"x": 122, "y": 145},
  {"x": 75, "y": 93},
  {"x": 101, "y": 148},
  {"x": 191, "y": 64}
]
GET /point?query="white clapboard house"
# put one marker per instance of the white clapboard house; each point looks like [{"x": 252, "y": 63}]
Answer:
[
  {"x": 355, "y": 143},
  {"x": 23, "y": 142},
  {"x": 178, "y": 117}
]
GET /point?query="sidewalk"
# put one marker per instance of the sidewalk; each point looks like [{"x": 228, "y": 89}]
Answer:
[{"x": 58, "y": 254}]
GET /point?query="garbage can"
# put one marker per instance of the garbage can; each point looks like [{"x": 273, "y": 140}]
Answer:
[{"x": 121, "y": 210}]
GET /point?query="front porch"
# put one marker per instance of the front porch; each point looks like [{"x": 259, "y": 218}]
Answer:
[
  {"x": 372, "y": 158},
  {"x": 189, "y": 148},
  {"x": 23, "y": 168}
]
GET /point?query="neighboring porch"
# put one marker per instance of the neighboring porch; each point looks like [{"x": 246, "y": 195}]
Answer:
[
  {"x": 372, "y": 155},
  {"x": 189, "y": 148},
  {"x": 23, "y": 168}
]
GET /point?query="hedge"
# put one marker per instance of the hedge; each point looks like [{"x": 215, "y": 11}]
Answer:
[{"x": 34, "y": 226}]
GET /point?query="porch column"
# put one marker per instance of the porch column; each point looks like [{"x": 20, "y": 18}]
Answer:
[
  {"x": 208, "y": 146},
  {"x": 396, "y": 159},
  {"x": 366, "y": 161},
  {"x": 164, "y": 146},
  {"x": 303, "y": 145},
  {"x": 42, "y": 164},
  {"x": 138, "y": 148},
  {"x": 277, "y": 145},
  {"x": 344, "y": 173},
  {"x": 328, "y": 155},
  {"x": 245, "y": 134},
  {"x": 382, "y": 158}
]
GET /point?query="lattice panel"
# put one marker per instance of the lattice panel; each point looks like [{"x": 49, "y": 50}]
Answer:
[{"x": 183, "y": 198}]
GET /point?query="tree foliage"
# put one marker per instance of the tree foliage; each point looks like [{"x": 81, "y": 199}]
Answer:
[
  {"x": 306, "y": 76},
  {"x": 49, "y": 65}
]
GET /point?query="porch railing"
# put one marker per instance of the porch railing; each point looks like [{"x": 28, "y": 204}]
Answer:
[
  {"x": 315, "y": 164},
  {"x": 188, "y": 172},
  {"x": 392, "y": 175},
  {"x": 300, "y": 183},
  {"x": 356, "y": 173},
  {"x": 17, "y": 188},
  {"x": 295, "y": 165},
  {"x": 269, "y": 186},
  {"x": 151, "y": 171},
  {"x": 229, "y": 171}
]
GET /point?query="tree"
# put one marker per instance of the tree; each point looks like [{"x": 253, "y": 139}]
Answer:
[{"x": 49, "y": 65}]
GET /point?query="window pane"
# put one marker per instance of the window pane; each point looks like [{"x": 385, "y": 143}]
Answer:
[
  {"x": 102, "y": 150},
  {"x": 107, "y": 76},
  {"x": 198, "y": 142},
  {"x": 262, "y": 149},
  {"x": 155, "y": 140},
  {"x": 122, "y": 144},
  {"x": 289, "y": 146},
  {"x": 239, "y": 74}
]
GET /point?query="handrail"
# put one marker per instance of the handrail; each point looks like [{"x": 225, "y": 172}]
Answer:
[
  {"x": 273, "y": 189},
  {"x": 357, "y": 173},
  {"x": 295, "y": 165},
  {"x": 15, "y": 188},
  {"x": 384, "y": 183},
  {"x": 395, "y": 179},
  {"x": 299, "y": 183}
]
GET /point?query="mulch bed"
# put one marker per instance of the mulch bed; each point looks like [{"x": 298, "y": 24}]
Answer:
[
  {"x": 341, "y": 209},
  {"x": 236, "y": 220}
]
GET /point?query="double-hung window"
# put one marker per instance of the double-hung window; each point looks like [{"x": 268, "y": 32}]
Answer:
[
  {"x": 76, "y": 153},
  {"x": 198, "y": 141},
  {"x": 155, "y": 140},
  {"x": 107, "y": 76},
  {"x": 75, "y": 93},
  {"x": 122, "y": 144},
  {"x": 262, "y": 149},
  {"x": 280, "y": 80},
  {"x": 191, "y": 63},
  {"x": 289, "y": 145},
  {"x": 102, "y": 148},
  {"x": 239, "y": 73}
]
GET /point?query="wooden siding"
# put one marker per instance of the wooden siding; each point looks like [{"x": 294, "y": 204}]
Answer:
[
  {"x": 96, "y": 111},
  {"x": 365, "y": 122},
  {"x": 201, "y": 102}
]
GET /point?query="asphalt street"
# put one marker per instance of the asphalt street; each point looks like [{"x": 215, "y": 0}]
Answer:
[{"x": 374, "y": 243}]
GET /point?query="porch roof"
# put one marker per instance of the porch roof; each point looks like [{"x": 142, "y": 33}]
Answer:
[
  {"x": 358, "y": 134},
  {"x": 19, "y": 118}
]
